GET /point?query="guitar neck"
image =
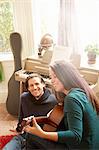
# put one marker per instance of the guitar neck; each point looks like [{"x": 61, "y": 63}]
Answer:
[{"x": 42, "y": 119}]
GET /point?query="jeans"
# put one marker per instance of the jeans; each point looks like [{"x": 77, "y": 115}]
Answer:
[{"x": 17, "y": 143}]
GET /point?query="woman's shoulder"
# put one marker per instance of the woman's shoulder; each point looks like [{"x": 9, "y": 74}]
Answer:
[
  {"x": 77, "y": 95},
  {"x": 75, "y": 101}
]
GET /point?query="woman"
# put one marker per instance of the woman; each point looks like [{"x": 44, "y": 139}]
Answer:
[{"x": 79, "y": 127}]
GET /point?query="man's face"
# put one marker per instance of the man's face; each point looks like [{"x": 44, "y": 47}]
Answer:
[{"x": 36, "y": 87}]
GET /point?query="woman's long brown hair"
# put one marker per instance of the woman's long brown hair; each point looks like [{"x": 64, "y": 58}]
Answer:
[{"x": 71, "y": 78}]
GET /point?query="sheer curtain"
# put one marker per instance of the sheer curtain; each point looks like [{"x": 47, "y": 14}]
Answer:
[
  {"x": 88, "y": 21},
  {"x": 45, "y": 19},
  {"x": 68, "y": 34},
  {"x": 23, "y": 24}
]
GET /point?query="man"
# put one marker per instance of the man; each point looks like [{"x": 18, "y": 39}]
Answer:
[{"x": 37, "y": 101}]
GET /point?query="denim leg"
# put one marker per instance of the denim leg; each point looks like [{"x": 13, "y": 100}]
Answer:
[{"x": 17, "y": 143}]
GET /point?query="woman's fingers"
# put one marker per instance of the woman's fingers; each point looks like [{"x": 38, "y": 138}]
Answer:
[
  {"x": 34, "y": 121},
  {"x": 27, "y": 128}
]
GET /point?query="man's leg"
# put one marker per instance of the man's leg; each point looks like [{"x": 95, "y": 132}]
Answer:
[
  {"x": 34, "y": 142},
  {"x": 17, "y": 143}
]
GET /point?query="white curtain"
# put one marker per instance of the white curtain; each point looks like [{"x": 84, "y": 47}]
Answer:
[
  {"x": 68, "y": 29},
  {"x": 68, "y": 32},
  {"x": 23, "y": 24}
]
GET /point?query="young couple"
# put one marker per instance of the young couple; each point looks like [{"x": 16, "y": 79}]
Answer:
[{"x": 79, "y": 128}]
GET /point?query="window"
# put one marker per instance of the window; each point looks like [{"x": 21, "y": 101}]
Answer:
[
  {"x": 45, "y": 19},
  {"x": 88, "y": 22},
  {"x": 6, "y": 25},
  {"x": 46, "y": 13}
]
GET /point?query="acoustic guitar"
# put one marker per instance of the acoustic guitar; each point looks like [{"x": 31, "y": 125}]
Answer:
[
  {"x": 50, "y": 122},
  {"x": 13, "y": 98}
]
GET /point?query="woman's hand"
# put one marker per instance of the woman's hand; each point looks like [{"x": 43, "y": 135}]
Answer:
[{"x": 35, "y": 129}]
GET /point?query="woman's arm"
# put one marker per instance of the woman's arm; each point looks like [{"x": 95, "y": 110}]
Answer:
[
  {"x": 73, "y": 116},
  {"x": 36, "y": 130},
  {"x": 53, "y": 136}
]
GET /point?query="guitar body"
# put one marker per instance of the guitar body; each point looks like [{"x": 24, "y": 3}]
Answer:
[
  {"x": 13, "y": 98},
  {"x": 51, "y": 122},
  {"x": 54, "y": 118}
]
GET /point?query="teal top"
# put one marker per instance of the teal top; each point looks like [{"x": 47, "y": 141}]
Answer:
[{"x": 80, "y": 121}]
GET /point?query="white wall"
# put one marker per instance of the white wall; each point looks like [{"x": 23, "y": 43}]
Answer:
[{"x": 8, "y": 67}]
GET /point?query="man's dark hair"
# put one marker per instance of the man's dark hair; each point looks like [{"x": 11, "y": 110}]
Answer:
[{"x": 32, "y": 76}]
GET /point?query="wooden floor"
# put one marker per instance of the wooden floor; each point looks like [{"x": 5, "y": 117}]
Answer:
[{"x": 7, "y": 121}]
